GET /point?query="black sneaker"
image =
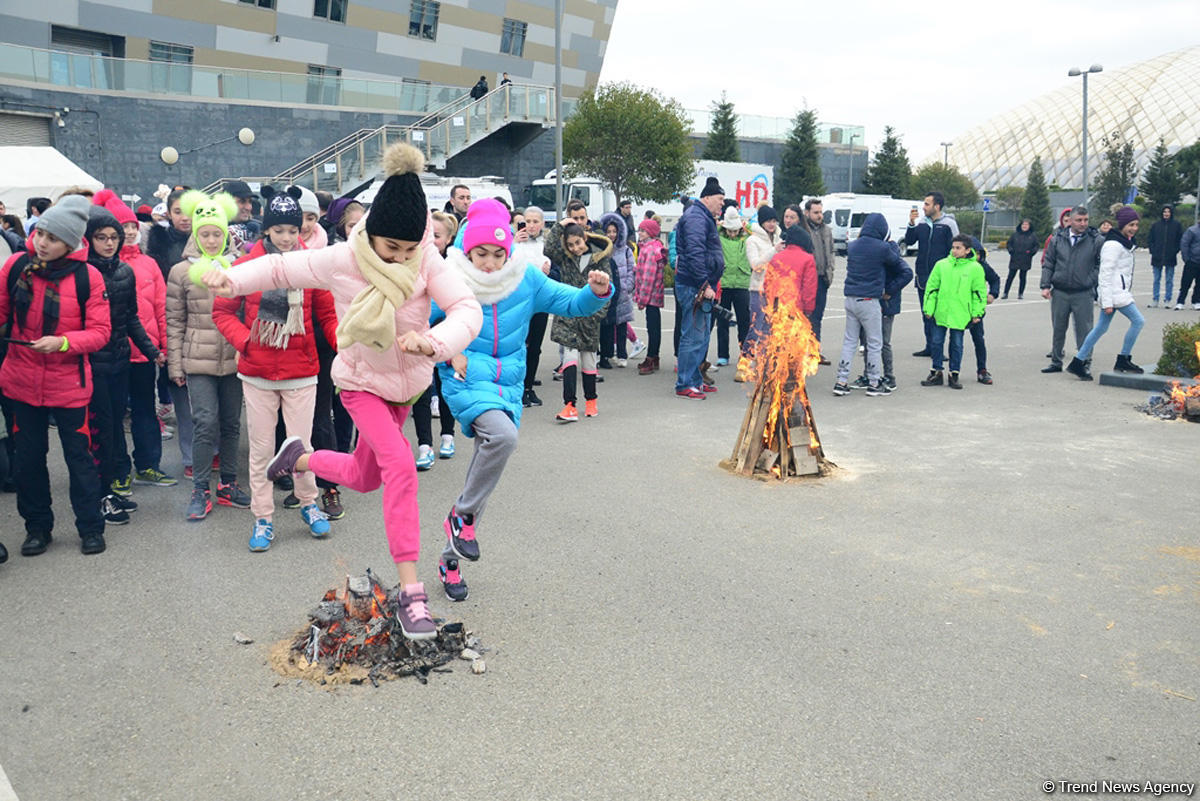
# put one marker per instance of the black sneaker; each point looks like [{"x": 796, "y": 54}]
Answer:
[
  {"x": 530, "y": 398},
  {"x": 604, "y": 364},
  {"x": 123, "y": 503},
  {"x": 460, "y": 533},
  {"x": 291, "y": 501},
  {"x": 92, "y": 544},
  {"x": 880, "y": 390},
  {"x": 285, "y": 484},
  {"x": 232, "y": 495},
  {"x": 200, "y": 504},
  {"x": 3, "y": 554},
  {"x": 934, "y": 379},
  {"x": 452, "y": 581},
  {"x": 36, "y": 542},
  {"x": 984, "y": 377},
  {"x": 860, "y": 383},
  {"x": 113, "y": 515},
  {"x": 890, "y": 380},
  {"x": 953, "y": 382},
  {"x": 841, "y": 389},
  {"x": 923, "y": 353}
]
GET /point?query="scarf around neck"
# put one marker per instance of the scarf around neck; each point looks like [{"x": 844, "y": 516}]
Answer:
[
  {"x": 280, "y": 313},
  {"x": 488, "y": 287},
  {"x": 371, "y": 318},
  {"x": 52, "y": 273}
]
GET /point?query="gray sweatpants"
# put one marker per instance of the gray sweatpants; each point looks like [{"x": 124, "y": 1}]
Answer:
[
  {"x": 1064, "y": 306},
  {"x": 495, "y": 441},
  {"x": 862, "y": 314},
  {"x": 216, "y": 413},
  {"x": 885, "y": 351}
]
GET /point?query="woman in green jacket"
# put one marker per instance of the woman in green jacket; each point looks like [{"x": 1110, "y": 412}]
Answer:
[
  {"x": 735, "y": 283},
  {"x": 955, "y": 297}
]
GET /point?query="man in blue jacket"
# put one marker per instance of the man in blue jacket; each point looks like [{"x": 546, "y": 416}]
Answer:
[
  {"x": 933, "y": 236},
  {"x": 872, "y": 264},
  {"x": 699, "y": 265}
]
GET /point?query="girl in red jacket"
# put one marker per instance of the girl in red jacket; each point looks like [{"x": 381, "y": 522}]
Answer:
[
  {"x": 278, "y": 365},
  {"x": 46, "y": 371}
]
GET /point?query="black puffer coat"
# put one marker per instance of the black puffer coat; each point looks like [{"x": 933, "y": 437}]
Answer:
[
  {"x": 1022, "y": 247},
  {"x": 121, "y": 287},
  {"x": 165, "y": 246}
]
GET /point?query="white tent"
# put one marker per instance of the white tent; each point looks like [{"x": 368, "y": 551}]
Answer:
[{"x": 27, "y": 172}]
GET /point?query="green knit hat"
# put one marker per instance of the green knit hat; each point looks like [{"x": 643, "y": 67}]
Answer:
[{"x": 217, "y": 210}]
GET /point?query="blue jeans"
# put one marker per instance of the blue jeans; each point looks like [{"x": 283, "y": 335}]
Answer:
[
  {"x": 1158, "y": 271},
  {"x": 938, "y": 342},
  {"x": 1136, "y": 321},
  {"x": 694, "y": 330},
  {"x": 758, "y": 323}
]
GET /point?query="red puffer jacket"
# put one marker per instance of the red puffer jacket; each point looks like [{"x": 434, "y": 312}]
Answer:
[
  {"x": 151, "y": 299},
  {"x": 299, "y": 358},
  {"x": 54, "y": 379}
]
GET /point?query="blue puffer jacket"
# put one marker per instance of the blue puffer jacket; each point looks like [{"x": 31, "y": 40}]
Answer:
[
  {"x": 496, "y": 358},
  {"x": 698, "y": 255},
  {"x": 869, "y": 259}
]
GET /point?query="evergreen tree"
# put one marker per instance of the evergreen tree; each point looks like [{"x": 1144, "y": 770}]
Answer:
[
  {"x": 889, "y": 172},
  {"x": 1162, "y": 184},
  {"x": 800, "y": 168},
  {"x": 1119, "y": 174},
  {"x": 722, "y": 142},
  {"x": 1035, "y": 204}
]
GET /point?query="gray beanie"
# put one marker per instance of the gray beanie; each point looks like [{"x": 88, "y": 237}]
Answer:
[
  {"x": 67, "y": 219},
  {"x": 308, "y": 202}
]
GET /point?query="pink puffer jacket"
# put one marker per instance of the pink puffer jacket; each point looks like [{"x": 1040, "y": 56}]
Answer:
[
  {"x": 393, "y": 375},
  {"x": 151, "y": 299}
]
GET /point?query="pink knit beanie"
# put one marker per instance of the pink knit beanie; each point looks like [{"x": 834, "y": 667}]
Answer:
[{"x": 487, "y": 224}]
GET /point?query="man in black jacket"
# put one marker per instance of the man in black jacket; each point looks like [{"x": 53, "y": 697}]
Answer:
[
  {"x": 932, "y": 235},
  {"x": 1165, "y": 236},
  {"x": 1069, "y": 275}
]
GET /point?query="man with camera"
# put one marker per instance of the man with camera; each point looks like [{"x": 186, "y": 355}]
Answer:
[{"x": 700, "y": 262}]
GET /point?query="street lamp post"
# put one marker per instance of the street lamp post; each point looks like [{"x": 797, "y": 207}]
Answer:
[
  {"x": 946, "y": 154},
  {"x": 558, "y": 123},
  {"x": 850, "y": 188},
  {"x": 1072, "y": 73}
]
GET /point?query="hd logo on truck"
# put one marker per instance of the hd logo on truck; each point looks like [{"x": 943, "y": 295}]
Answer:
[{"x": 750, "y": 193}]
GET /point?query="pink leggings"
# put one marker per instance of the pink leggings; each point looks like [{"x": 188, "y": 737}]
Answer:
[{"x": 382, "y": 456}]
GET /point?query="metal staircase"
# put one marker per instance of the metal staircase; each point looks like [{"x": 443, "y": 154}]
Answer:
[{"x": 441, "y": 134}]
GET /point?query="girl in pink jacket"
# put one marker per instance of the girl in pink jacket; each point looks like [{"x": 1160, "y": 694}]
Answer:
[{"x": 382, "y": 281}]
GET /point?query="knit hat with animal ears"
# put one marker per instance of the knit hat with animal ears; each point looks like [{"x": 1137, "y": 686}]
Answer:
[{"x": 204, "y": 210}]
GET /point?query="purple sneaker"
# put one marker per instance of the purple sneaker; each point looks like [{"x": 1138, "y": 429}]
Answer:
[
  {"x": 283, "y": 463},
  {"x": 412, "y": 613},
  {"x": 460, "y": 530}
]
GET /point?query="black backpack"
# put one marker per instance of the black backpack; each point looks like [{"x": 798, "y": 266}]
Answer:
[{"x": 83, "y": 290}]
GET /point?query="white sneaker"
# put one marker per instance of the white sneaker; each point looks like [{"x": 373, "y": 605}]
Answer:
[
  {"x": 1152, "y": 304},
  {"x": 1178, "y": 307},
  {"x": 639, "y": 347},
  {"x": 1196, "y": 306},
  {"x": 622, "y": 362},
  {"x": 435, "y": 408}
]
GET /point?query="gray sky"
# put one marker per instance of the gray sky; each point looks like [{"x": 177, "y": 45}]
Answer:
[{"x": 931, "y": 71}]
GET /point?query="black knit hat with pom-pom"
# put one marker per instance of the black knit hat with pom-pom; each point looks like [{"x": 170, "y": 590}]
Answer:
[{"x": 399, "y": 210}]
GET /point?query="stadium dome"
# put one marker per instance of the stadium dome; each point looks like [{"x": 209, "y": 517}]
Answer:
[{"x": 1144, "y": 102}]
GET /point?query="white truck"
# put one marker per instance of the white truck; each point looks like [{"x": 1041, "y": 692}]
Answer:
[
  {"x": 845, "y": 212},
  {"x": 748, "y": 184}
]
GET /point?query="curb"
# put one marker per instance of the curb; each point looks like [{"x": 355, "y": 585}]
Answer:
[{"x": 1143, "y": 381}]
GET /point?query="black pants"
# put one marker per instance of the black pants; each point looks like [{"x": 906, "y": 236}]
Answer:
[
  {"x": 143, "y": 417},
  {"x": 1012, "y": 273},
  {"x": 739, "y": 301},
  {"x": 607, "y": 340},
  {"x": 323, "y": 438},
  {"x": 9, "y": 445},
  {"x": 533, "y": 346},
  {"x": 1191, "y": 273},
  {"x": 654, "y": 330},
  {"x": 33, "y": 478},
  {"x": 568, "y": 382},
  {"x": 422, "y": 413},
  {"x": 110, "y": 391},
  {"x": 677, "y": 316},
  {"x": 976, "y": 330},
  {"x": 929, "y": 324}
]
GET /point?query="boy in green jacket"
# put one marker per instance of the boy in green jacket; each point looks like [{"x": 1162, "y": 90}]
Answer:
[{"x": 955, "y": 297}]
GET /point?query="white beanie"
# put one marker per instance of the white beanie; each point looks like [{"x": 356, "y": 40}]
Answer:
[{"x": 308, "y": 201}]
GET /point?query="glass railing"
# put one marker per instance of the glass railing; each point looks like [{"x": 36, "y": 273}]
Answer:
[
  {"x": 83, "y": 71},
  {"x": 753, "y": 126}
]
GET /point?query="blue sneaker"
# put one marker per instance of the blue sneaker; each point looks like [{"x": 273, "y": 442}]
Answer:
[
  {"x": 318, "y": 521},
  {"x": 261, "y": 536},
  {"x": 424, "y": 457},
  {"x": 447, "y": 449},
  {"x": 722, "y": 362}
]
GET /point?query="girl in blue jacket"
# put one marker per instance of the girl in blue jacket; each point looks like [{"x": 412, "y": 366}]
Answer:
[{"x": 484, "y": 384}]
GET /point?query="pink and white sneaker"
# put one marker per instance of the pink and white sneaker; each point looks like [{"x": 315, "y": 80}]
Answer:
[
  {"x": 460, "y": 531},
  {"x": 452, "y": 581},
  {"x": 412, "y": 613}
]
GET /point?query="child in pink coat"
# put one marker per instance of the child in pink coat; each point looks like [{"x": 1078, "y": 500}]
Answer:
[{"x": 382, "y": 281}]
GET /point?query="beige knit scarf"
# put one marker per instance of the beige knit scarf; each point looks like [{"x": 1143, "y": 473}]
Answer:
[{"x": 371, "y": 318}]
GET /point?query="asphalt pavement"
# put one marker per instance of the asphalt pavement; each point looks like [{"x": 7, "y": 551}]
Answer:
[{"x": 997, "y": 588}]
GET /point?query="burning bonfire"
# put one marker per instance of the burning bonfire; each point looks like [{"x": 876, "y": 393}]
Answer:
[
  {"x": 1177, "y": 400},
  {"x": 778, "y": 437},
  {"x": 353, "y": 637}
]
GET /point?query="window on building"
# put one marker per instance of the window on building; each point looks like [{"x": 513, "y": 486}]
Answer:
[
  {"x": 324, "y": 85},
  {"x": 423, "y": 19},
  {"x": 260, "y": 3},
  {"x": 173, "y": 73},
  {"x": 512, "y": 37},
  {"x": 80, "y": 57},
  {"x": 332, "y": 10}
]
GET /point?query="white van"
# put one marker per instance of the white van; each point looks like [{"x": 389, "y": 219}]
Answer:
[
  {"x": 838, "y": 208},
  {"x": 895, "y": 210}
]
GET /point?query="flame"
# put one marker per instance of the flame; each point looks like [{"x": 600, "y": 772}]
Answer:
[
  {"x": 343, "y": 639},
  {"x": 785, "y": 358},
  {"x": 1179, "y": 395}
]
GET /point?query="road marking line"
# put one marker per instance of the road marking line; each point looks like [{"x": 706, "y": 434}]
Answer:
[{"x": 7, "y": 793}]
